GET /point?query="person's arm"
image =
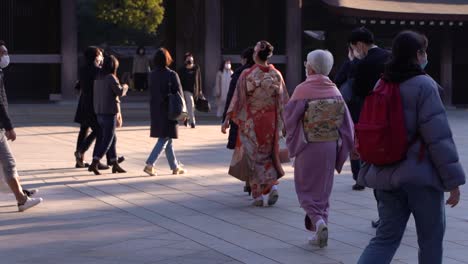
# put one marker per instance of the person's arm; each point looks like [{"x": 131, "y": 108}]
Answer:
[
  {"x": 199, "y": 82},
  {"x": 436, "y": 135},
  {"x": 117, "y": 88}
]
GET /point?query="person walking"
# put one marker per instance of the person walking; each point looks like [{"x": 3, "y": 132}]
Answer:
[
  {"x": 416, "y": 185},
  {"x": 223, "y": 79},
  {"x": 367, "y": 65},
  {"x": 163, "y": 81},
  {"x": 7, "y": 132},
  {"x": 85, "y": 115},
  {"x": 190, "y": 78},
  {"x": 247, "y": 62},
  {"x": 140, "y": 69},
  {"x": 107, "y": 93},
  {"x": 257, "y": 108},
  {"x": 317, "y": 113}
]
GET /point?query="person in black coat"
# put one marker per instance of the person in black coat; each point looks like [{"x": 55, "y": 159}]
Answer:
[
  {"x": 247, "y": 62},
  {"x": 85, "y": 114},
  {"x": 163, "y": 81},
  {"x": 367, "y": 70}
]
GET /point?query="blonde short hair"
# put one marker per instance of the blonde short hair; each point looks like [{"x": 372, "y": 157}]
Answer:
[{"x": 321, "y": 61}]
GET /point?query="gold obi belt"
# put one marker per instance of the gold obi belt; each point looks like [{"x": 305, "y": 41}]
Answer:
[{"x": 323, "y": 119}]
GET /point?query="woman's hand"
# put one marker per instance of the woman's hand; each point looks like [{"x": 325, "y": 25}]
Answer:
[
  {"x": 454, "y": 197},
  {"x": 225, "y": 126},
  {"x": 119, "y": 120}
]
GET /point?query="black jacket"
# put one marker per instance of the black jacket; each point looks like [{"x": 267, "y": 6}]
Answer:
[
  {"x": 368, "y": 71},
  {"x": 85, "y": 114},
  {"x": 5, "y": 122},
  {"x": 161, "y": 82},
  {"x": 191, "y": 80},
  {"x": 232, "y": 87}
]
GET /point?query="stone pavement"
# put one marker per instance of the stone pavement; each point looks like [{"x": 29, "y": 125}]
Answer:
[{"x": 201, "y": 217}]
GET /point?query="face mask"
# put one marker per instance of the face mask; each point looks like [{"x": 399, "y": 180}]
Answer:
[
  {"x": 424, "y": 62},
  {"x": 227, "y": 66},
  {"x": 4, "y": 61},
  {"x": 358, "y": 55}
]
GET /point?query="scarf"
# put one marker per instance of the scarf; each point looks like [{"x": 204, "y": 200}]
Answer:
[{"x": 316, "y": 86}]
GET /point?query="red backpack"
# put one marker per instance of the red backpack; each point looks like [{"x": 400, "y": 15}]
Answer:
[{"x": 381, "y": 132}]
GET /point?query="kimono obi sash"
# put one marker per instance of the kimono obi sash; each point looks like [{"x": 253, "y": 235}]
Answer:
[{"x": 322, "y": 120}]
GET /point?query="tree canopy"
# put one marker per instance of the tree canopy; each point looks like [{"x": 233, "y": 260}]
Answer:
[{"x": 145, "y": 15}]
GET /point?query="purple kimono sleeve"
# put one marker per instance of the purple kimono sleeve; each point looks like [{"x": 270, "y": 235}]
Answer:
[
  {"x": 346, "y": 142},
  {"x": 293, "y": 114}
]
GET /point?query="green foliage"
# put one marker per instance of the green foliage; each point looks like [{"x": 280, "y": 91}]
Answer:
[{"x": 144, "y": 15}]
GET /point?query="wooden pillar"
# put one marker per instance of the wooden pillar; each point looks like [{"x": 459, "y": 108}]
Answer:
[
  {"x": 446, "y": 67},
  {"x": 294, "y": 66},
  {"x": 69, "y": 73},
  {"x": 212, "y": 43}
]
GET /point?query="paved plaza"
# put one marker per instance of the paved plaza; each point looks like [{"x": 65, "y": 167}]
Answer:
[{"x": 202, "y": 217}]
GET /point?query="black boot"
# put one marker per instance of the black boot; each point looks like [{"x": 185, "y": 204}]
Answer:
[
  {"x": 94, "y": 167},
  {"x": 116, "y": 168},
  {"x": 79, "y": 160},
  {"x": 119, "y": 160}
]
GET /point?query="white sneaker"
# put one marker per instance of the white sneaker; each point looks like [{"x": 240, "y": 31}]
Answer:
[
  {"x": 322, "y": 233},
  {"x": 273, "y": 197},
  {"x": 30, "y": 202}
]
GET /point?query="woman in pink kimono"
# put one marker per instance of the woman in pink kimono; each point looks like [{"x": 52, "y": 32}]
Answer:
[
  {"x": 320, "y": 135},
  {"x": 257, "y": 107}
]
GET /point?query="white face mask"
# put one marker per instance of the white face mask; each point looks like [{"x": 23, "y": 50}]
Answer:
[{"x": 4, "y": 61}]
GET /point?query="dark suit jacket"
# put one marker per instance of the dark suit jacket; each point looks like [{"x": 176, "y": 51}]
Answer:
[{"x": 367, "y": 71}]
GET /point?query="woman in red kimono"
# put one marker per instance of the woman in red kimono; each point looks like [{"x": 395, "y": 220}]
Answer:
[{"x": 257, "y": 108}]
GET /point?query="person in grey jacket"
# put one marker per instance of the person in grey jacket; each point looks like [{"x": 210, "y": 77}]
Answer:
[
  {"x": 107, "y": 93},
  {"x": 7, "y": 132},
  {"x": 417, "y": 184}
]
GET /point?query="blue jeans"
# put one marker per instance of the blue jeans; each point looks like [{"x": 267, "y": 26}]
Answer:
[
  {"x": 106, "y": 140},
  {"x": 163, "y": 144},
  {"x": 427, "y": 206}
]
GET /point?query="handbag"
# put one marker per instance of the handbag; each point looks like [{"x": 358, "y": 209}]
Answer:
[
  {"x": 346, "y": 90},
  {"x": 202, "y": 104},
  {"x": 177, "y": 110}
]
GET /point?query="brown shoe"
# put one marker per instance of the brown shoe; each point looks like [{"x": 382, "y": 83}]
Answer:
[
  {"x": 150, "y": 170},
  {"x": 179, "y": 170}
]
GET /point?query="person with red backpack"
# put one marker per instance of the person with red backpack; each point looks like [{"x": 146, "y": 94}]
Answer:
[{"x": 409, "y": 156}]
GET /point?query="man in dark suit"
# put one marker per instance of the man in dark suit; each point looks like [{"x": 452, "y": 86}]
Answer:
[{"x": 366, "y": 72}]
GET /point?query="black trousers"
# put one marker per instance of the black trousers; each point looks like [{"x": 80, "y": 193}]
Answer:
[
  {"x": 140, "y": 81},
  {"x": 85, "y": 140}
]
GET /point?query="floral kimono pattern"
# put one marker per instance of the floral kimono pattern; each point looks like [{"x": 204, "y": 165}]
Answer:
[{"x": 257, "y": 108}]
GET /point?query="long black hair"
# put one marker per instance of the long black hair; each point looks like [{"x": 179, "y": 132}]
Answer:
[
  {"x": 404, "y": 60},
  {"x": 248, "y": 55},
  {"x": 110, "y": 65},
  {"x": 91, "y": 53}
]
